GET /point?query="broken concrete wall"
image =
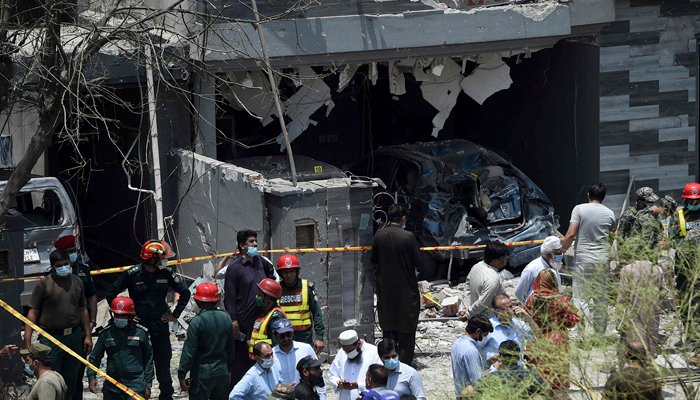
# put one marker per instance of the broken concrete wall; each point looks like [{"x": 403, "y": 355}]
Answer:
[{"x": 218, "y": 199}]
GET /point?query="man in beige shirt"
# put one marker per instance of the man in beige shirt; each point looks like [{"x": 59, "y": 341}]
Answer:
[
  {"x": 485, "y": 281},
  {"x": 49, "y": 384}
]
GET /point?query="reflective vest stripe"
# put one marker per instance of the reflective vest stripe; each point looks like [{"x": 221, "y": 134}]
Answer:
[
  {"x": 299, "y": 313},
  {"x": 259, "y": 333},
  {"x": 681, "y": 222}
]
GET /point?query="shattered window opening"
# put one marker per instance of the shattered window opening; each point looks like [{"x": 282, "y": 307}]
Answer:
[{"x": 305, "y": 236}]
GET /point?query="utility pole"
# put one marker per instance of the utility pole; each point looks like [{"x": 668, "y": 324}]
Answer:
[
  {"x": 275, "y": 93},
  {"x": 155, "y": 150}
]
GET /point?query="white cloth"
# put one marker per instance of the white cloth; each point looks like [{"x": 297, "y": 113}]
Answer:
[
  {"x": 352, "y": 370},
  {"x": 527, "y": 278},
  {"x": 484, "y": 285},
  {"x": 595, "y": 221}
]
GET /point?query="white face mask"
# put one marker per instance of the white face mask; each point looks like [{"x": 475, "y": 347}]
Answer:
[
  {"x": 163, "y": 264},
  {"x": 353, "y": 354},
  {"x": 267, "y": 363}
]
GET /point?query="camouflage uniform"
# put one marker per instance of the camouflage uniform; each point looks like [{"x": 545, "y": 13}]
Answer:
[{"x": 642, "y": 222}]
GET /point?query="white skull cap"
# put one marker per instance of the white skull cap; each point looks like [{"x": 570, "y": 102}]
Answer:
[
  {"x": 550, "y": 244},
  {"x": 348, "y": 337}
]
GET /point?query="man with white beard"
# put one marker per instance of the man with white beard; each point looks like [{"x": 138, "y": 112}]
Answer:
[
  {"x": 551, "y": 257},
  {"x": 348, "y": 370}
]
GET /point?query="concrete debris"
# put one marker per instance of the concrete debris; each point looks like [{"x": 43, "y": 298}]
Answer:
[
  {"x": 301, "y": 105},
  {"x": 397, "y": 81},
  {"x": 345, "y": 76},
  {"x": 450, "y": 306},
  {"x": 441, "y": 91},
  {"x": 255, "y": 97},
  {"x": 487, "y": 79}
]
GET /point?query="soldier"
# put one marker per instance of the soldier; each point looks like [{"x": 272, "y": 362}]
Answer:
[
  {"x": 208, "y": 351},
  {"x": 148, "y": 285},
  {"x": 641, "y": 219},
  {"x": 269, "y": 292},
  {"x": 300, "y": 303},
  {"x": 129, "y": 353},
  {"x": 82, "y": 271}
]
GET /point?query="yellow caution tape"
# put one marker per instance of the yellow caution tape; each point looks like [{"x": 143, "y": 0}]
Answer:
[
  {"x": 273, "y": 251},
  {"x": 63, "y": 347}
]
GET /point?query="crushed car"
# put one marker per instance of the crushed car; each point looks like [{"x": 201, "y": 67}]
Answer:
[{"x": 460, "y": 193}]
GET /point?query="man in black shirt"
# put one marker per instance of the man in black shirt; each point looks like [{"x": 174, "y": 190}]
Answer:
[
  {"x": 311, "y": 377},
  {"x": 638, "y": 380},
  {"x": 243, "y": 273}
]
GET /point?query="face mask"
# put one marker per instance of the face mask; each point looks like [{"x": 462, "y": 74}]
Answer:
[
  {"x": 73, "y": 257},
  {"x": 28, "y": 369},
  {"x": 252, "y": 251},
  {"x": 403, "y": 226},
  {"x": 121, "y": 323},
  {"x": 693, "y": 207},
  {"x": 163, "y": 264},
  {"x": 391, "y": 363},
  {"x": 259, "y": 302},
  {"x": 353, "y": 354},
  {"x": 63, "y": 271},
  {"x": 267, "y": 363}
]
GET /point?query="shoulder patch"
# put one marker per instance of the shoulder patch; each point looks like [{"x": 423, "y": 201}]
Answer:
[
  {"x": 134, "y": 270},
  {"x": 142, "y": 327}
]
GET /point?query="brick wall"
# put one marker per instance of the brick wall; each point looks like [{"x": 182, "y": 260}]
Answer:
[{"x": 648, "y": 110}]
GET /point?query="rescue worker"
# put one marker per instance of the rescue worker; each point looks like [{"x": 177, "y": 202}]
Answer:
[
  {"x": 82, "y": 271},
  {"x": 684, "y": 230},
  {"x": 58, "y": 307},
  {"x": 687, "y": 218},
  {"x": 641, "y": 219},
  {"x": 269, "y": 292},
  {"x": 208, "y": 352},
  {"x": 300, "y": 303},
  {"x": 129, "y": 353},
  {"x": 148, "y": 285}
]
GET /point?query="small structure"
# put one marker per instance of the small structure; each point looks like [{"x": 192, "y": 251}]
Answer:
[{"x": 326, "y": 209}]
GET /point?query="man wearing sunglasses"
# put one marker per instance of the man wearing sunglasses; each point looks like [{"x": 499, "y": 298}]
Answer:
[{"x": 289, "y": 352}]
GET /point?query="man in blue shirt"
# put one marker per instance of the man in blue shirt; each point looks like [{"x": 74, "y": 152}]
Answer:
[
  {"x": 403, "y": 379},
  {"x": 467, "y": 364},
  {"x": 289, "y": 352},
  {"x": 551, "y": 257},
  {"x": 510, "y": 323},
  {"x": 261, "y": 378}
]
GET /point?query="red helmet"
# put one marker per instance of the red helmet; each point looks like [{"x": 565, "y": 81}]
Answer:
[
  {"x": 207, "y": 292},
  {"x": 691, "y": 191},
  {"x": 288, "y": 261},
  {"x": 156, "y": 248},
  {"x": 123, "y": 305},
  {"x": 270, "y": 287}
]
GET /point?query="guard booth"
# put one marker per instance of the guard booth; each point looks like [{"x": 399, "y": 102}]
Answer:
[
  {"x": 11, "y": 266},
  {"x": 325, "y": 209}
]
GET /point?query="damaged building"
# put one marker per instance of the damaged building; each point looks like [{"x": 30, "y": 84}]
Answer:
[{"x": 569, "y": 92}]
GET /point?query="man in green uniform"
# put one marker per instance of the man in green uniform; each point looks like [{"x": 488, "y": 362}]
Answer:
[
  {"x": 300, "y": 303},
  {"x": 208, "y": 352},
  {"x": 148, "y": 285},
  {"x": 129, "y": 354},
  {"x": 82, "y": 271},
  {"x": 641, "y": 220},
  {"x": 58, "y": 307}
]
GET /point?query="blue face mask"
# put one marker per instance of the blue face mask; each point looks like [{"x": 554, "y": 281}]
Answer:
[
  {"x": 121, "y": 322},
  {"x": 252, "y": 251},
  {"x": 693, "y": 207},
  {"x": 391, "y": 363},
  {"x": 268, "y": 363},
  {"x": 63, "y": 271},
  {"x": 73, "y": 257},
  {"x": 558, "y": 258}
]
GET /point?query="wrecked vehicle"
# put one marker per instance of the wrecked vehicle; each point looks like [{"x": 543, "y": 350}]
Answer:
[
  {"x": 47, "y": 213},
  {"x": 459, "y": 193}
]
